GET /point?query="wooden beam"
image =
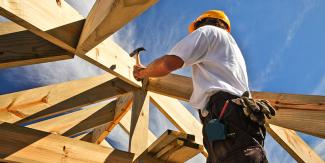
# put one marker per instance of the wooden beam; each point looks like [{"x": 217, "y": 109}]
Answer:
[
  {"x": 304, "y": 113},
  {"x": 293, "y": 144},
  {"x": 123, "y": 104},
  {"x": 139, "y": 122},
  {"x": 168, "y": 137},
  {"x": 42, "y": 17},
  {"x": 101, "y": 117},
  {"x": 169, "y": 85},
  {"x": 293, "y": 109},
  {"x": 62, "y": 124},
  {"x": 88, "y": 138},
  {"x": 62, "y": 26},
  {"x": 19, "y": 47},
  {"x": 20, "y": 144},
  {"x": 106, "y": 17},
  {"x": 59, "y": 97},
  {"x": 113, "y": 59},
  {"x": 125, "y": 123},
  {"x": 177, "y": 114},
  {"x": 101, "y": 92},
  {"x": 173, "y": 146},
  {"x": 93, "y": 135}
]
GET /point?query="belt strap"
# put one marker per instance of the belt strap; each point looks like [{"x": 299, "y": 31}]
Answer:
[{"x": 224, "y": 108}]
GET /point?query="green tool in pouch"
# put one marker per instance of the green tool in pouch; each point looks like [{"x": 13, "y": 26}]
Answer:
[{"x": 215, "y": 129}]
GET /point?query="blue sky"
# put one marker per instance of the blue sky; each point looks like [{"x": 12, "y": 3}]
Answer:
[{"x": 282, "y": 43}]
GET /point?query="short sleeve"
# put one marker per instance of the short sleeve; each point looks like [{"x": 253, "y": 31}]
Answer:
[{"x": 191, "y": 48}]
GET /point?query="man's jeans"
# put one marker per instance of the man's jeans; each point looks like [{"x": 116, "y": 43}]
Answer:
[{"x": 247, "y": 138}]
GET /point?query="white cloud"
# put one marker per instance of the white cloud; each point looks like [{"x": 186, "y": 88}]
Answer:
[
  {"x": 82, "y": 6},
  {"x": 53, "y": 72},
  {"x": 126, "y": 38},
  {"x": 320, "y": 88},
  {"x": 118, "y": 138},
  {"x": 266, "y": 74},
  {"x": 274, "y": 152},
  {"x": 320, "y": 148}
]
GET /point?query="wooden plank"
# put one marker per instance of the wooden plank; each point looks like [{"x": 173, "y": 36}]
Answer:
[
  {"x": 43, "y": 17},
  {"x": 19, "y": 47},
  {"x": 123, "y": 104},
  {"x": 168, "y": 137},
  {"x": 293, "y": 109},
  {"x": 139, "y": 122},
  {"x": 176, "y": 113},
  {"x": 62, "y": 26},
  {"x": 59, "y": 97},
  {"x": 125, "y": 123},
  {"x": 183, "y": 152},
  {"x": 113, "y": 59},
  {"x": 308, "y": 121},
  {"x": 171, "y": 143},
  {"x": 294, "y": 101},
  {"x": 103, "y": 116},
  {"x": 293, "y": 144},
  {"x": 10, "y": 27},
  {"x": 61, "y": 124},
  {"x": 52, "y": 147},
  {"x": 144, "y": 158},
  {"x": 169, "y": 85},
  {"x": 181, "y": 118},
  {"x": 106, "y": 17},
  {"x": 87, "y": 138},
  {"x": 93, "y": 135},
  {"x": 98, "y": 93}
]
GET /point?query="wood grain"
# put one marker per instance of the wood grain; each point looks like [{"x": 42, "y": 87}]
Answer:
[
  {"x": 98, "y": 93},
  {"x": 19, "y": 47},
  {"x": 293, "y": 108},
  {"x": 40, "y": 17},
  {"x": 51, "y": 147},
  {"x": 59, "y": 97},
  {"x": 106, "y": 17},
  {"x": 61, "y": 124},
  {"x": 173, "y": 146},
  {"x": 125, "y": 123},
  {"x": 139, "y": 122},
  {"x": 123, "y": 105},
  {"x": 62, "y": 26},
  {"x": 100, "y": 117},
  {"x": 293, "y": 144},
  {"x": 181, "y": 118},
  {"x": 169, "y": 85}
]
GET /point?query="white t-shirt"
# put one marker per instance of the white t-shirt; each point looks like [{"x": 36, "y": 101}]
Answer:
[{"x": 217, "y": 63}]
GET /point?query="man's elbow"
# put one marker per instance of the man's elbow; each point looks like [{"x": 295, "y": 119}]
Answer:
[{"x": 173, "y": 62}]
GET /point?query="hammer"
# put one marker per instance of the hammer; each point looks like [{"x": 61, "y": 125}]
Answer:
[{"x": 136, "y": 53}]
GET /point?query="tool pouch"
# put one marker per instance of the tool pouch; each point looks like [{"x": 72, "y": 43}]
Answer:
[{"x": 215, "y": 130}]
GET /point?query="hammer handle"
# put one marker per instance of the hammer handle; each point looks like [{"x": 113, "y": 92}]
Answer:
[{"x": 137, "y": 59}]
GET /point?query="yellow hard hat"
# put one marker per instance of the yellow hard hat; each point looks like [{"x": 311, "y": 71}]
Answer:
[{"x": 218, "y": 14}]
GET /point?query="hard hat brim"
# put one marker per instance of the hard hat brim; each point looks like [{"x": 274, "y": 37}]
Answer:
[
  {"x": 191, "y": 27},
  {"x": 217, "y": 14}
]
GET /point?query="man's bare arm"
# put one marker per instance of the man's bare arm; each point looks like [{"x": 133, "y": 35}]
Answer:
[{"x": 159, "y": 67}]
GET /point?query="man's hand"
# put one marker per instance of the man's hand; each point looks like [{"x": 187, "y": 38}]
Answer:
[{"x": 139, "y": 72}]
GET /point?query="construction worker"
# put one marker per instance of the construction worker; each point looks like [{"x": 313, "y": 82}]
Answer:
[{"x": 233, "y": 123}]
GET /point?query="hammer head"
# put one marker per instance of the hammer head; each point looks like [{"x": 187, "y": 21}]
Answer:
[{"x": 137, "y": 51}]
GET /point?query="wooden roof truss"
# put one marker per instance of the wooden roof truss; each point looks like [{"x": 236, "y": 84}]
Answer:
[{"x": 45, "y": 31}]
